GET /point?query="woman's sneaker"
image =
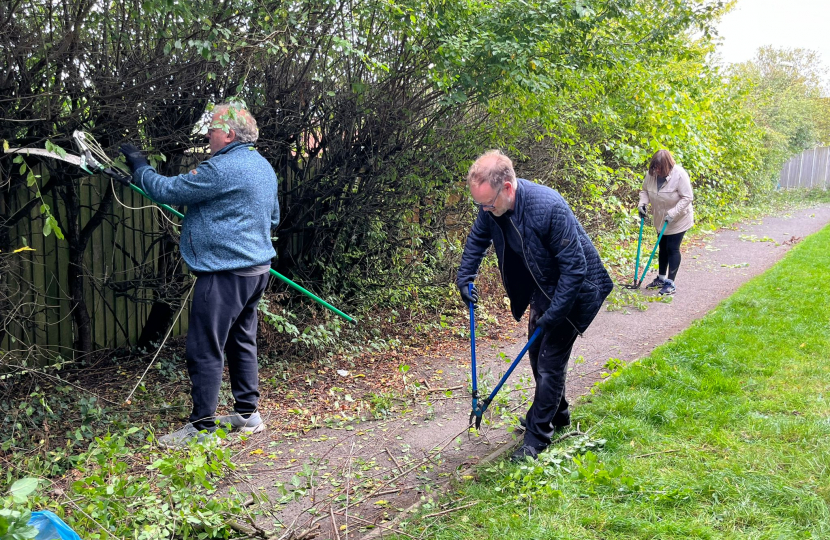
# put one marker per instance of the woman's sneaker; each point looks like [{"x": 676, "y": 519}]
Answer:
[
  {"x": 656, "y": 284},
  {"x": 667, "y": 289}
]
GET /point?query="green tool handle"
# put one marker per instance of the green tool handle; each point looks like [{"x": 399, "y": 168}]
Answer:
[
  {"x": 639, "y": 243},
  {"x": 653, "y": 251},
  {"x": 166, "y": 207},
  {"x": 273, "y": 272}
]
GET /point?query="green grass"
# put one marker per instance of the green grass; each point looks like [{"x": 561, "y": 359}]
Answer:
[{"x": 735, "y": 412}]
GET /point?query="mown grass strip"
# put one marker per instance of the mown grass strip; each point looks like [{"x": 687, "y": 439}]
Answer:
[{"x": 723, "y": 432}]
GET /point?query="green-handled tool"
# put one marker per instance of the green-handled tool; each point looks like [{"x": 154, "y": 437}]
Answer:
[{"x": 88, "y": 162}]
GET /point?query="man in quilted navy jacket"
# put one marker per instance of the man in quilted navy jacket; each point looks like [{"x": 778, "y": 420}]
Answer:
[
  {"x": 547, "y": 261},
  {"x": 232, "y": 206}
]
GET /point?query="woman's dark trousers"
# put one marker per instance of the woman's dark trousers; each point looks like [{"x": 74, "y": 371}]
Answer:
[{"x": 669, "y": 256}]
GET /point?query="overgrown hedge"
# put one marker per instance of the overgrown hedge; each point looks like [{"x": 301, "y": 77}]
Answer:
[{"x": 371, "y": 112}]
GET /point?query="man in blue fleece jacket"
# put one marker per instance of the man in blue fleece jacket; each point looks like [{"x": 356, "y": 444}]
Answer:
[{"x": 232, "y": 206}]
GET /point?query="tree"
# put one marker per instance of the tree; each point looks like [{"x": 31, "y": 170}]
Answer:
[{"x": 787, "y": 100}]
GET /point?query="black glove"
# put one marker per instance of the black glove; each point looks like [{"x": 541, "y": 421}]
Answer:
[
  {"x": 119, "y": 175},
  {"x": 545, "y": 321},
  {"x": 135, "y": 159},
  {"x": 470, "y": 296},
  {"x": 642, "y": 210}
]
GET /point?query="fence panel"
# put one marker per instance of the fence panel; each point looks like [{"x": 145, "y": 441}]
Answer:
[
  {"x": 115, "y": 253},
  {"x": 822, "y": 163},
  {"x": 810, "y": 169},
  {"x": 117, "y": 250}
]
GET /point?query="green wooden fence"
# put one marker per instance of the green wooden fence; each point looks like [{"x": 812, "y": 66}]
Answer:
[{"x": 119, "y": 252}]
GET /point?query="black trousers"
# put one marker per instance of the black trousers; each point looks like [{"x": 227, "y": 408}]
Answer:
[
  {"x": 223, "y": 319},
  {"x": 669, "y": 256},
  {"x": 549, "y": 356}
]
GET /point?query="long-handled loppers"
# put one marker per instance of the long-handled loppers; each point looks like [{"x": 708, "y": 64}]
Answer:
[
  {"x": 479, "y": 406},
  {"x": 88, "y": 162},
  {"x": 637, "y": 282}
]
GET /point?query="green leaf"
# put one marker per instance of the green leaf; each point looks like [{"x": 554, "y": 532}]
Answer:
[
  {"x": 50, "y": 146},
  {"x": 56, "y": 228},
  {"x": 23, "y": 488},
  {"x": 47, "y": 228}
]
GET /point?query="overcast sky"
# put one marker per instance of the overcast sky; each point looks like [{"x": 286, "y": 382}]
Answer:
[{"x": 751, "y": 24}]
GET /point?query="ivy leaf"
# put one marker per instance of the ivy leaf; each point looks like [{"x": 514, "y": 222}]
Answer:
[{"x": 23, "y": 488}]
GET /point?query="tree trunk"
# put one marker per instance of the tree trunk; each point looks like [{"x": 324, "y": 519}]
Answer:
[
  {"x": 77, "y": 237},
  {"x": 168, "y": 296}
]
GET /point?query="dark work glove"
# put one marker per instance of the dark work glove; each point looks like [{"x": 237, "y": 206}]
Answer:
[
  {"x": 119, "y": 175},
  {"x": 135, "y": 159},
  {"x": 545, "y": 321},
  {"x": 642, "y": 210},
  {"x": 470, "y": 296}
]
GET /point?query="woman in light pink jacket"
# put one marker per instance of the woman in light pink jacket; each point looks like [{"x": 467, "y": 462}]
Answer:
[{"x": 668, "y": 188}]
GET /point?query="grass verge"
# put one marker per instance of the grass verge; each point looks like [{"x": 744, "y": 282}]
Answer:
[{"x": 723, "y": 432}]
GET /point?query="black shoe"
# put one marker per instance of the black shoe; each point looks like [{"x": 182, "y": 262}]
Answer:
[
  {"x": 667, "y": 289},
  {"x": 556, "y": 429},
  {"x": 523, "y": 453},
  {"x": 656, "y": 284},
  {"x": 560, "y": 429}
]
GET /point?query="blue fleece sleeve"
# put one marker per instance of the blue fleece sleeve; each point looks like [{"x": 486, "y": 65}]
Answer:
[
  {"x": 478, "y": 241},
  {"x": 567, "y": 251},
  {"x": 195, "y": 186}
]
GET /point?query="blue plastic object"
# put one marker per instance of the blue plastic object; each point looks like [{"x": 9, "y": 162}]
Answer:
[{"x": 51, "y": 527}]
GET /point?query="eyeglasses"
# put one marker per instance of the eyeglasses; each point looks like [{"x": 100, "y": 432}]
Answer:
[
  {"x": 492, "y": 204},
  {"x": 210, "y": 130}
]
